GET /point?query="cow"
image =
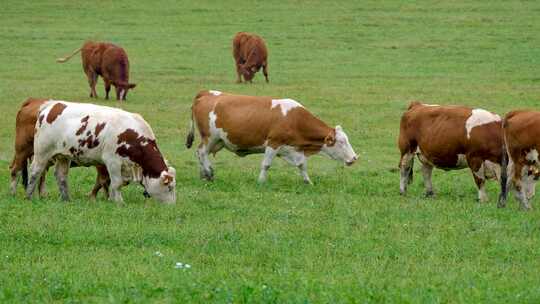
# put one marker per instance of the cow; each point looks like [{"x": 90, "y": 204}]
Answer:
[
  {"x": 108, "y": 61},
  {"x": 25, "y": 123},
  {"x": 521, "y": 135},
  {"x": 450, "y": 138},
  {"x": 250, "y": 54},
  {"x": 276, "y": 127},
  {"x": 89, "y": 134}
]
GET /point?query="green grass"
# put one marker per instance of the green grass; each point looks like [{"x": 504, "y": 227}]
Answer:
[{"x": 349, "y": 238}]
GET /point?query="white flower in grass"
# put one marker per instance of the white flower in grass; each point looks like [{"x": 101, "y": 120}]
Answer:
[
  {"x": 159, "y": 254},
  {"x": 187, "y": 266},
  {"x": 179, "y": 265}
]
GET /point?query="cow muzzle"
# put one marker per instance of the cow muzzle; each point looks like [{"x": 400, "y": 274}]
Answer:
[{"x": 352, "y": 161}]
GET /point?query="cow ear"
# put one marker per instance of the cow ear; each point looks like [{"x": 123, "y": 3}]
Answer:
[
  {"x": 132, "y": 85},
  {"x": 330, "y": 139},
  {"x": 338, "y": 128}
]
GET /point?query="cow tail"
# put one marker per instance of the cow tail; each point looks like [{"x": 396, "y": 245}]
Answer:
[
  {"x": 191, "y": 135},
  {"x": 64, "y": 59},
  {"x": 25, "y": 174},
  {"x": 504, "y": 176},
  {"x": 411, "y": 171}
]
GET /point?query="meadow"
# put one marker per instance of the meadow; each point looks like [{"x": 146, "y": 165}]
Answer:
[{"x": 350, "y": 238}]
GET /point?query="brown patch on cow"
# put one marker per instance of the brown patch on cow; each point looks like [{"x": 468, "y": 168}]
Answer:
[
  {"x": 55, "y": 111},
  {"x": 84, "y": 124},
  {"x": 75, "y": 152},
  {"x": 142, "y": 151},
  {"x": 99, "y": 128},
  {"x": 90, "y": 142}
]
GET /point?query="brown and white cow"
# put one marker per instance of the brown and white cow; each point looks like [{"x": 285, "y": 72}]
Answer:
[
  {"x": 450, "y": 137},
  {"x": 24, "y": 149},
  {"x": 276, "y": 127},
  {"x": 108, "y": 61},
  {"x": 521, "y": 133},
  {"x": 88, "y": 135},
  {"x": 250, "y": 54}
]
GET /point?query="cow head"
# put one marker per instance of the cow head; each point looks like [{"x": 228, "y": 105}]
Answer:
[
  {"x": 337, "y": 146},
  {"x": 248, "y": 72},
  {"x": 162, "y": 188},
  {"x": 122, "y": 89}
]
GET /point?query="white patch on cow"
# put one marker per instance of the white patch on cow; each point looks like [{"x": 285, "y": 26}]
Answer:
[
  {"x": 479, "y": 117},
  {"x": 461, "y": 161},
  {"x": 285, "y": 104},
  {"x": 532, "y": 156},
  {"x": 215, "y": 93},
  {"x": 431, "y": 105},
  {"x": 219, "y": 132}
]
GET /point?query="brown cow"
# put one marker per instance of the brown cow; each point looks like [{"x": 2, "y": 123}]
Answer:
[
  {"x": 24, "y": 149},
  {"x": 250, "y": 54},
  {"x": 108, "y": 61},
  {"x": 521, "y": 132},
  {"x": 450, "y": 137},
  {"x": 276, "y": 127}
]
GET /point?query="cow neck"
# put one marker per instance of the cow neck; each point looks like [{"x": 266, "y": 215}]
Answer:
[
  {"x": 313, "y": 131},
  {"x": 152, "y": 163}
]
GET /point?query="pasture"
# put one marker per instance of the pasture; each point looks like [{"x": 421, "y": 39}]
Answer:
[{"x": 349, "y": 238}]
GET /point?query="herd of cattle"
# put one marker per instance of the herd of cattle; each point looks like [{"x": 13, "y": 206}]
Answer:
[{"x": 122, "y": 146}]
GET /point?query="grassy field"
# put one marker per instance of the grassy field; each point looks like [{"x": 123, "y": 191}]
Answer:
[{"x": 350, "y": 237}]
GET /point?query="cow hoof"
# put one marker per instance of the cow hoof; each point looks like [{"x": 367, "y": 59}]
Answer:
[
  {"x": 429, "y": 194},
  {"x": 526, "y": 208},
  {"x": 308, "y": 182}
]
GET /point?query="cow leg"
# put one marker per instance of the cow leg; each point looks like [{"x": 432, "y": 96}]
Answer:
[
  {"x": 299, "y": 160},
  {"x": 92, "y": 81},
  {"x": 61, "y": 173},
  {"x": 16, "y": 166},
  {"x": 481, "y": 185},
  {"x": 265, "y": 71},
  {"x": 478, "y": 169},
  {"x": 519, "y": 183},
  {"x": 115, "y": 174},
  {"x": 531, "y": 187},
  {"x": 37, "y": 168},
  {"x": 206, "y": 170},
  {"x": 406, "y": 166},
  {"x": 269, "y": 154},
  {"x": 427, "y": 169},
  {"x": 107, "y": 87},
  {"x": 238, "y": 74},
  {"x": 42, "y": 187}
]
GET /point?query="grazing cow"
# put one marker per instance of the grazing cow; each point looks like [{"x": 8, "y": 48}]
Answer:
[
  {"x": 449, "y": 138},
  {"x": 108, "y": 61},
  {"x": 24, "y": 149},
  {"x": 521, "y": 133},
  {"x": 276, "y": 127},
  {"x": 250, "y": 54},
  {"x": 88, "y": 134}
]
